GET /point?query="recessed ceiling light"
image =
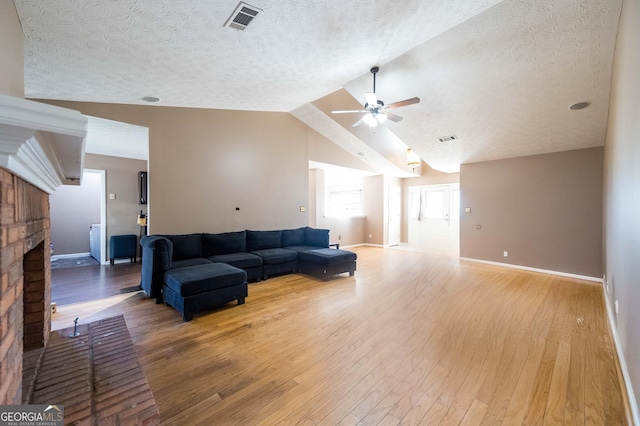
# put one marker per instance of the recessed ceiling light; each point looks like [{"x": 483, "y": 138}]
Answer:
[
  {"x": 579, "y": 106},
  {"x": 151, "y": 99}
]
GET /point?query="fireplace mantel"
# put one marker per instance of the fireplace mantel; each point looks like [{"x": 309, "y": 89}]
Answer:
[{"x": 43, "y": 144}]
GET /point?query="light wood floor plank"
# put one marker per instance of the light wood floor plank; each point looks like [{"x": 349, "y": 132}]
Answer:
[{"x": 413, "y": 338}]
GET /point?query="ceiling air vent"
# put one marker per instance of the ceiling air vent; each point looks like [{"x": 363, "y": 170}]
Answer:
[
  {"x": 448, "y": 138},
  {"x": 242, "y": 16}
]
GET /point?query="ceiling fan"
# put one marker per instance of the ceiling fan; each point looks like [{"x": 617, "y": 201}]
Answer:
[{"x": 375, "y": 111}]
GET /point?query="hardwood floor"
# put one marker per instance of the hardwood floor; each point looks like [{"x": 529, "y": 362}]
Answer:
[
  {"x": 87, "y": 283},
  {"x": 413, "y": 338}
]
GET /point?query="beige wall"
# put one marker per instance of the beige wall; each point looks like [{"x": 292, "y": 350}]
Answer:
[
  {"x": 374, "y": 194},
  {"x": 205, "y": 163},
  {"x": 622, "y": 188},
  {"x": 545, "y": 210},
  {"x": 11, "y": 51},
  {"x": 122, "y": 180}
]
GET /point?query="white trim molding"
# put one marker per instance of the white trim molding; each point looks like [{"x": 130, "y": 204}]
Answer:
[
  {"x": 543, "y": 271},
  {"x": 43, "y": 144},
  {"x": 621, "y": 360},
  {"x": 67, "y": 256}
]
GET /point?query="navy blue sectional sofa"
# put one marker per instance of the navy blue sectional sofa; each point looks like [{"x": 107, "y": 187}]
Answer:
[{"x": 260, "y": 254}]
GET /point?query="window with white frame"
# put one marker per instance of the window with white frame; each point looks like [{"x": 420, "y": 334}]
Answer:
[
  {"x": 344, "y": 200},
  {"x": 343, "y": 192}
]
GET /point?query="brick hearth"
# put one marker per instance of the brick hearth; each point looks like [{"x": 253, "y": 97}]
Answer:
[{"x": 97, "y": 376}]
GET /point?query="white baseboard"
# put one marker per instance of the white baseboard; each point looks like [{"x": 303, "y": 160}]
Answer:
[
  {"x": 623, "y": 364},
  {"x": 65, "y": 256},
  {"x": 544, "y": 271},
  {"x": 353, "y": 245}
]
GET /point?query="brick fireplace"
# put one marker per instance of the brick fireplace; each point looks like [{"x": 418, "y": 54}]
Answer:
[
  {"x": 41, "y": 148},
  {"x": 25, "y": 295}
]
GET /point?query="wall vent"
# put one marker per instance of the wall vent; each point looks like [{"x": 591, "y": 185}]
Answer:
[
  {"x": 242, "y": 16},
  {"x": 448, "y": 138}
]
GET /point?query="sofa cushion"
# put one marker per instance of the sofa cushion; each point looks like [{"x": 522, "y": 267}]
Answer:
[
  {"x": 193, "y": 280},
  {"x": 239, "y": 260},
  {"x": 301, "y": 249},
  {"x": 276, "y": 255},
  {"x": 260, "y": 240},
  {"x": 293, "y": 237},
  {"x": 189, "y": 262},
  {"x": 225, "y": 243},
  {"x": 316, "y": 237},
  {"x": 328, "y": 256},
  {"x": 186, "y": 246}
]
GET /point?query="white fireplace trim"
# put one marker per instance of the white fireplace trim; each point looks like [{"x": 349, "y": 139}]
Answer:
[{"x": 41, "y": 143}]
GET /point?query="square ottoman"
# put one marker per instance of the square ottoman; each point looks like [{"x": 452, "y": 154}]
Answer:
[
  {"x": 197, "y": 288},
  {"x": 327, "y": 261}
]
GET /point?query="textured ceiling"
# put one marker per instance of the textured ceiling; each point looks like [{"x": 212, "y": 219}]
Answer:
[{"x": 498, "y": 74}]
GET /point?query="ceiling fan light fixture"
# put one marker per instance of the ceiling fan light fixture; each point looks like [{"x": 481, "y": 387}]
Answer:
[
  {"x": 375, "y": 110},
  {"x": 370, "y": 119}
]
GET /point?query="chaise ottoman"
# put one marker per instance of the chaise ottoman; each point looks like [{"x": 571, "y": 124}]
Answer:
[
  {"x": 327, "y": 261},
  {"x": 197, "y": 288}
]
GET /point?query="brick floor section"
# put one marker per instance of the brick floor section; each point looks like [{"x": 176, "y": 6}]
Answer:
[{"x": 97, "y": 376}]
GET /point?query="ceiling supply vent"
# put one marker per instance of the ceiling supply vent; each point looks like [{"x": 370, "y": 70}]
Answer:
[
  {"x": 448, "y": 138},
  {"x": 242, "y": 16}
]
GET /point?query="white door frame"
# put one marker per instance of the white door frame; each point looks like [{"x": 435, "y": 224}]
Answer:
[
  {"x": 103, "y": 213},
  {"x": 394, "y": 215}
]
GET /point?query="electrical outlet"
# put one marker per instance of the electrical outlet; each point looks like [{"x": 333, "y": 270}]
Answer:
[
  {"x": 112, "y": 196},
  {"x": 369, "y": 235},
  {"x": 339, "y": 237},
  {"x": 505, "y": 253},
  {"x": 303, "y": 209},
  {"x": 616, "y": 307}
]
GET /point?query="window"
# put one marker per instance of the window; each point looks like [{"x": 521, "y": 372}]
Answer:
[
  {"x": 344, "y": 200},
  {"x": 343, "y": 191},
  {"x": 434, "y": 205}
]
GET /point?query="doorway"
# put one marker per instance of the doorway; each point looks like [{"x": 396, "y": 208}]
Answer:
[
  {"x": 434, "y": 217},
  {"x": 75, "y": 211}
]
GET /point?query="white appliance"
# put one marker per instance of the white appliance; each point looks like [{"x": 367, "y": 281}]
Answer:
[{"x": 95, "y": 232}]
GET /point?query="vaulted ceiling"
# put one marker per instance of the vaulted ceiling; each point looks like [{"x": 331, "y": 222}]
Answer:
[{"x": 499, "y": 75}]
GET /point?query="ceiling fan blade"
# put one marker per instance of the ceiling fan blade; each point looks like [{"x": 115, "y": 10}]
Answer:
[
  {"x": 372, "y": 99},
  {"x": 348, "y": 111},
  {"x": 392, "y": 117},
  {"x": 359, "y": 122},
  {"x": 406, "y": 102}
]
